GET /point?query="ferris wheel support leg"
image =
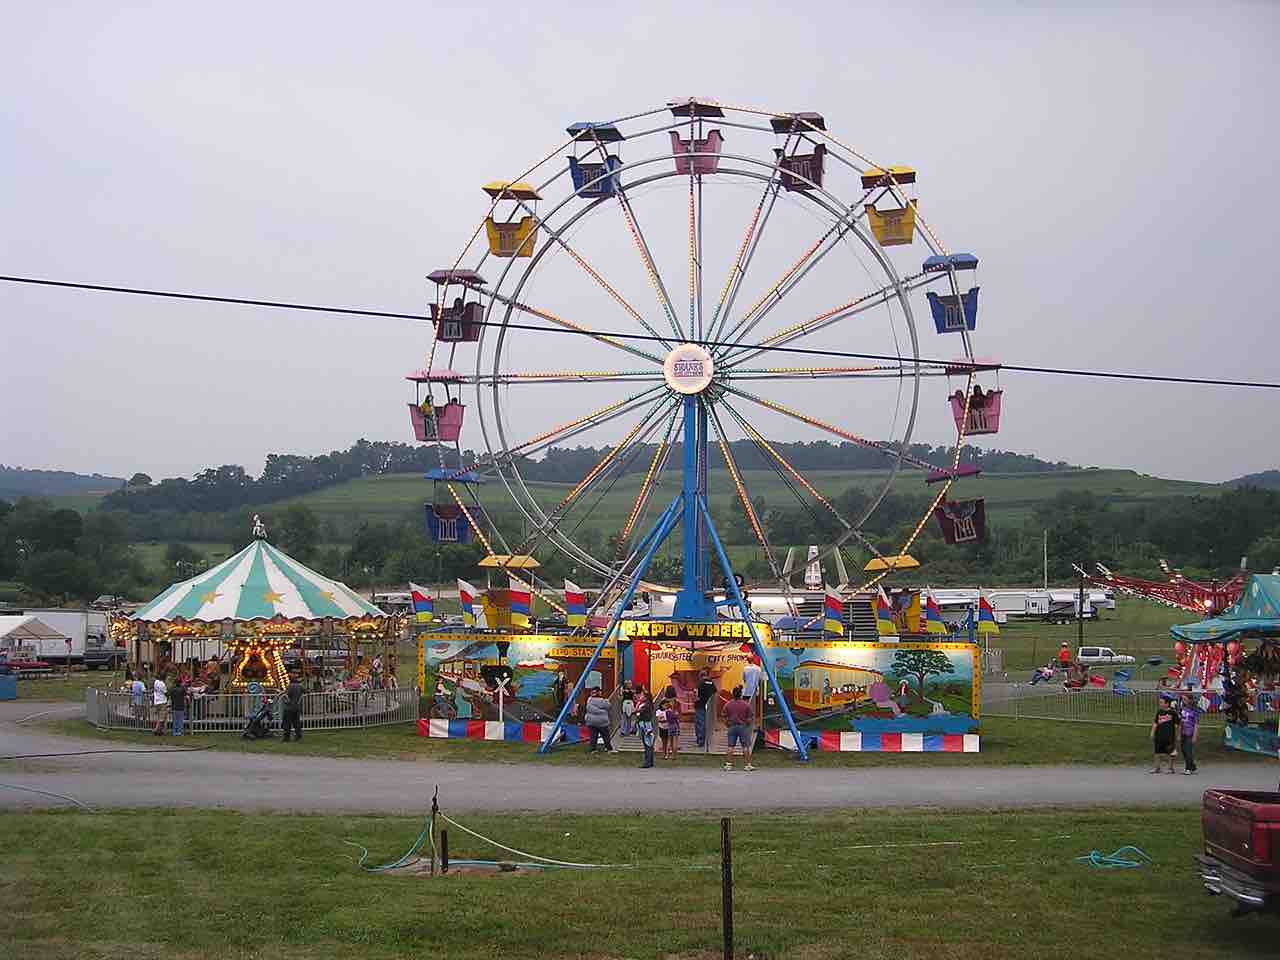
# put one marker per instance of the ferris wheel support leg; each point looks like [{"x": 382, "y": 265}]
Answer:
[
  {"x": 802, "y": 751},
  {"x": 655, "y": 538},
  {"x": 691, "y": 602}
]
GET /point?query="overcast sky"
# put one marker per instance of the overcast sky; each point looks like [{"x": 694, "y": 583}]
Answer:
[{"x": 1112, "y": 169}]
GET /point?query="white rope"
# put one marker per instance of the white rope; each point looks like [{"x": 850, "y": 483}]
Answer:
[{"x": 532, "y": 856}]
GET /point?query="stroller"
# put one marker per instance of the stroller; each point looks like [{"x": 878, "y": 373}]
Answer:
[{"x": 259, "y": 725}]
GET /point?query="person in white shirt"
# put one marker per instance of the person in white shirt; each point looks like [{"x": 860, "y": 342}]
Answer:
[
  {"x": 160, "y": 701},
  {"x": 751, "y": 678}
]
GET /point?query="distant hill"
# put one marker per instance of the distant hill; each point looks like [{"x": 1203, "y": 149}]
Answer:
[
  {"x": 1267, "y": 478},
  {"x": 18, "y": 482}
]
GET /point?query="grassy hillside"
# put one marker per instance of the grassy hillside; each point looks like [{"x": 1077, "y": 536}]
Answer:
[{"x": 1010, "y": 497}]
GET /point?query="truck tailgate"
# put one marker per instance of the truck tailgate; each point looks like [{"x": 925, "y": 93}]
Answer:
[{"x": 1242, "y": 828}]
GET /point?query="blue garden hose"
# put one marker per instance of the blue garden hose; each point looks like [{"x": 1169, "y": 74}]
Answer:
[{"x": 1123, "y": 859}]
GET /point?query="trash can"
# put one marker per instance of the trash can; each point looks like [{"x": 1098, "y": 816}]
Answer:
[{"x": 8, "y": 687}]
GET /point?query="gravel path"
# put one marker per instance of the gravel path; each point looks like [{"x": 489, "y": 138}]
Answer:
[{"x": 255, "y": 782}]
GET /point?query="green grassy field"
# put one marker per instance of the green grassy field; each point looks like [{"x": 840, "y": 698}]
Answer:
[
  {"x": 923, "y": 885},
  {"x": 1010, "y": 497}
]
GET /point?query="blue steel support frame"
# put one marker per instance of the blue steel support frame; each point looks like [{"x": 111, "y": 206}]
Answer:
[
  {"x": 654, "y": 538},
  {"x": 802, "y": 750},
  {"x": 689, "y": 508},
  {"x": 691, "y": 602}
]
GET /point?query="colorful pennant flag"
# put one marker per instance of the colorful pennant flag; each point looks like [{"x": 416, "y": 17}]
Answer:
[
  {"x": 575, "y": 604},
  {"x": 467, "y": 598},
  {"x": 986, "y": 616},
  {"x": 933, "y": 622},
  {"x": 520, "y": 599},
  {"x": 833, "y": 613},
  {"x": 885, "y": 625},
  {"x": 424, "y": 608}
]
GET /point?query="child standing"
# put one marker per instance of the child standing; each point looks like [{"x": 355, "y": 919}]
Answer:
[
  {"x": 673, "y": 729},
  {"x": 664, "y": 730}
]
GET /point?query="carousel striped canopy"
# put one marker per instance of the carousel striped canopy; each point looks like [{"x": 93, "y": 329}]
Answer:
[{"x": 258, "y": 583}]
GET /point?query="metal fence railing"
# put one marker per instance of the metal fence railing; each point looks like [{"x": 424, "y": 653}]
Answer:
[
  {"x": 230, "y": 712},
  {"x": 1103, "y": 705}
]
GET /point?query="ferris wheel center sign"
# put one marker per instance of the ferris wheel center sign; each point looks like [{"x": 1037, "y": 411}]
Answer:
[{"x": 688, "y": 368}]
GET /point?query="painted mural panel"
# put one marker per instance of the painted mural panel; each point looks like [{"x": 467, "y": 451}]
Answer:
[
  {"x": 535, "y": 674},
  {"x": 932, "y": 688}
]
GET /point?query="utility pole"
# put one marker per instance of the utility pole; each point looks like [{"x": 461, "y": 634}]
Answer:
[
  {"x": 1046, "y": 559},
  {"x": 1080, "y": 613}
]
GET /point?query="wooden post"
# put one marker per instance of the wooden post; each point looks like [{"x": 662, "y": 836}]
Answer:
[
  {"x": 444, "y": 851},
  {"x": 726, "y": 883}
]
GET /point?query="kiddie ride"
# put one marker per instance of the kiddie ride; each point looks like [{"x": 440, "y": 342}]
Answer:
[{"x": 691, "y": 376}]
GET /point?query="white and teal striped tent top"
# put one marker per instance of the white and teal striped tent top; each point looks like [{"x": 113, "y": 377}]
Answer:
[{"x": 258, "y": 583}]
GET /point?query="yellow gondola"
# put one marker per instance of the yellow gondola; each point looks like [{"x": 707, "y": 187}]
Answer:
[
  {"x": 903, "y": 561},
  {"x": 893, "y": 228},
  {"x": 512, "y": 238}
]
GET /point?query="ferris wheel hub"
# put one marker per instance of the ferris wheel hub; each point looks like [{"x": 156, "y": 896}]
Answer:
[{"x": 688, "y": 368}]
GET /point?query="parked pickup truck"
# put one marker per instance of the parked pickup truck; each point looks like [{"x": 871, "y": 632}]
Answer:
[{"x": 1241, "y": 856}]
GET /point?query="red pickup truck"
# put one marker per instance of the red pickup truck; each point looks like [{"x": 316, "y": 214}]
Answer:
[{"x": 1241, "y": 856}]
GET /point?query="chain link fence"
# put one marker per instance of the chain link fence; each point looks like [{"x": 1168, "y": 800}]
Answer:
[{"x": 230, "y": 712}]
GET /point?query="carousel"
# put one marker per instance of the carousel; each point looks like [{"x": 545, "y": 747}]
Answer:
[{"x": 236, "y": 624}]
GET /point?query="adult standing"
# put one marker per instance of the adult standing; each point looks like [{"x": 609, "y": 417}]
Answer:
[
  {"x": 293, "y": 695},
  {"x": 160, "y": 703},
  {"x": 178, "y": 704},
  {"x": 597, "y": 720},
  {"x": 1190, "y": 732},
  {"x": 1164, "y": 732},
  {"x": 706, "y": 693},
  {"x": 1064, "y": 657},
  {"x": 644, "y": 725},
  {"x": 738, "y": 717}
]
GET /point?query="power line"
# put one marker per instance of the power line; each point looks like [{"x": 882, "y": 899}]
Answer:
[{"x": 808, "y": 351}]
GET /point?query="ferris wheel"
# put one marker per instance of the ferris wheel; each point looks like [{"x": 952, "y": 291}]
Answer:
[{"x": 702, "y": 262}]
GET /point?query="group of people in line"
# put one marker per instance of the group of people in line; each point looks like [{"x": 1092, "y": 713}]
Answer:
[
  {"x": 657, "y": 720},
  {"x": 152, "y": 699}
]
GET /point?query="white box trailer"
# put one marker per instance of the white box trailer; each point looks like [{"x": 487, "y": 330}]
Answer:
[{"x": 73, "y": 625}]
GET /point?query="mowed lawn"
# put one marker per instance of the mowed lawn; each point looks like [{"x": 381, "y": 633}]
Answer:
[{"x": 931, "y": 885}]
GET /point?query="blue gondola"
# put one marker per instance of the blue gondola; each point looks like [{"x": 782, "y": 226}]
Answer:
[
  {"x": 446, "y": 523},
  {"x": 589, "y": 177},
  {"x": 955, "y": 261},
  {"x": 951, "y": 313}
]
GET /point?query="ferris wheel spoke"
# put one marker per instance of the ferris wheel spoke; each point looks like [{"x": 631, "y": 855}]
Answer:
[
  {"x": 591, "y": 271},
  {"x": 744, "y": 499},
  {"x": 825, "y": 319},
  {"x": 646, "y": 257},
  {"x": 892, "y": 371},
  {"x": 595, "y": 418},
  {"x": 887, "y": 449},
  {"x": 564, "y": 376},
  {"x": 850, "y": 529},
  {"x": 569, "y": 324},
  {"x": 647, "y": 486},
  {"x": 645, "y": 426},
  {"x": 829, "y": 241},
  {"x": 746, "y": 252}
]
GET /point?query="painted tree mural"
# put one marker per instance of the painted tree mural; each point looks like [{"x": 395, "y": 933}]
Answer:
[{"x": 919, "y": 665}]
